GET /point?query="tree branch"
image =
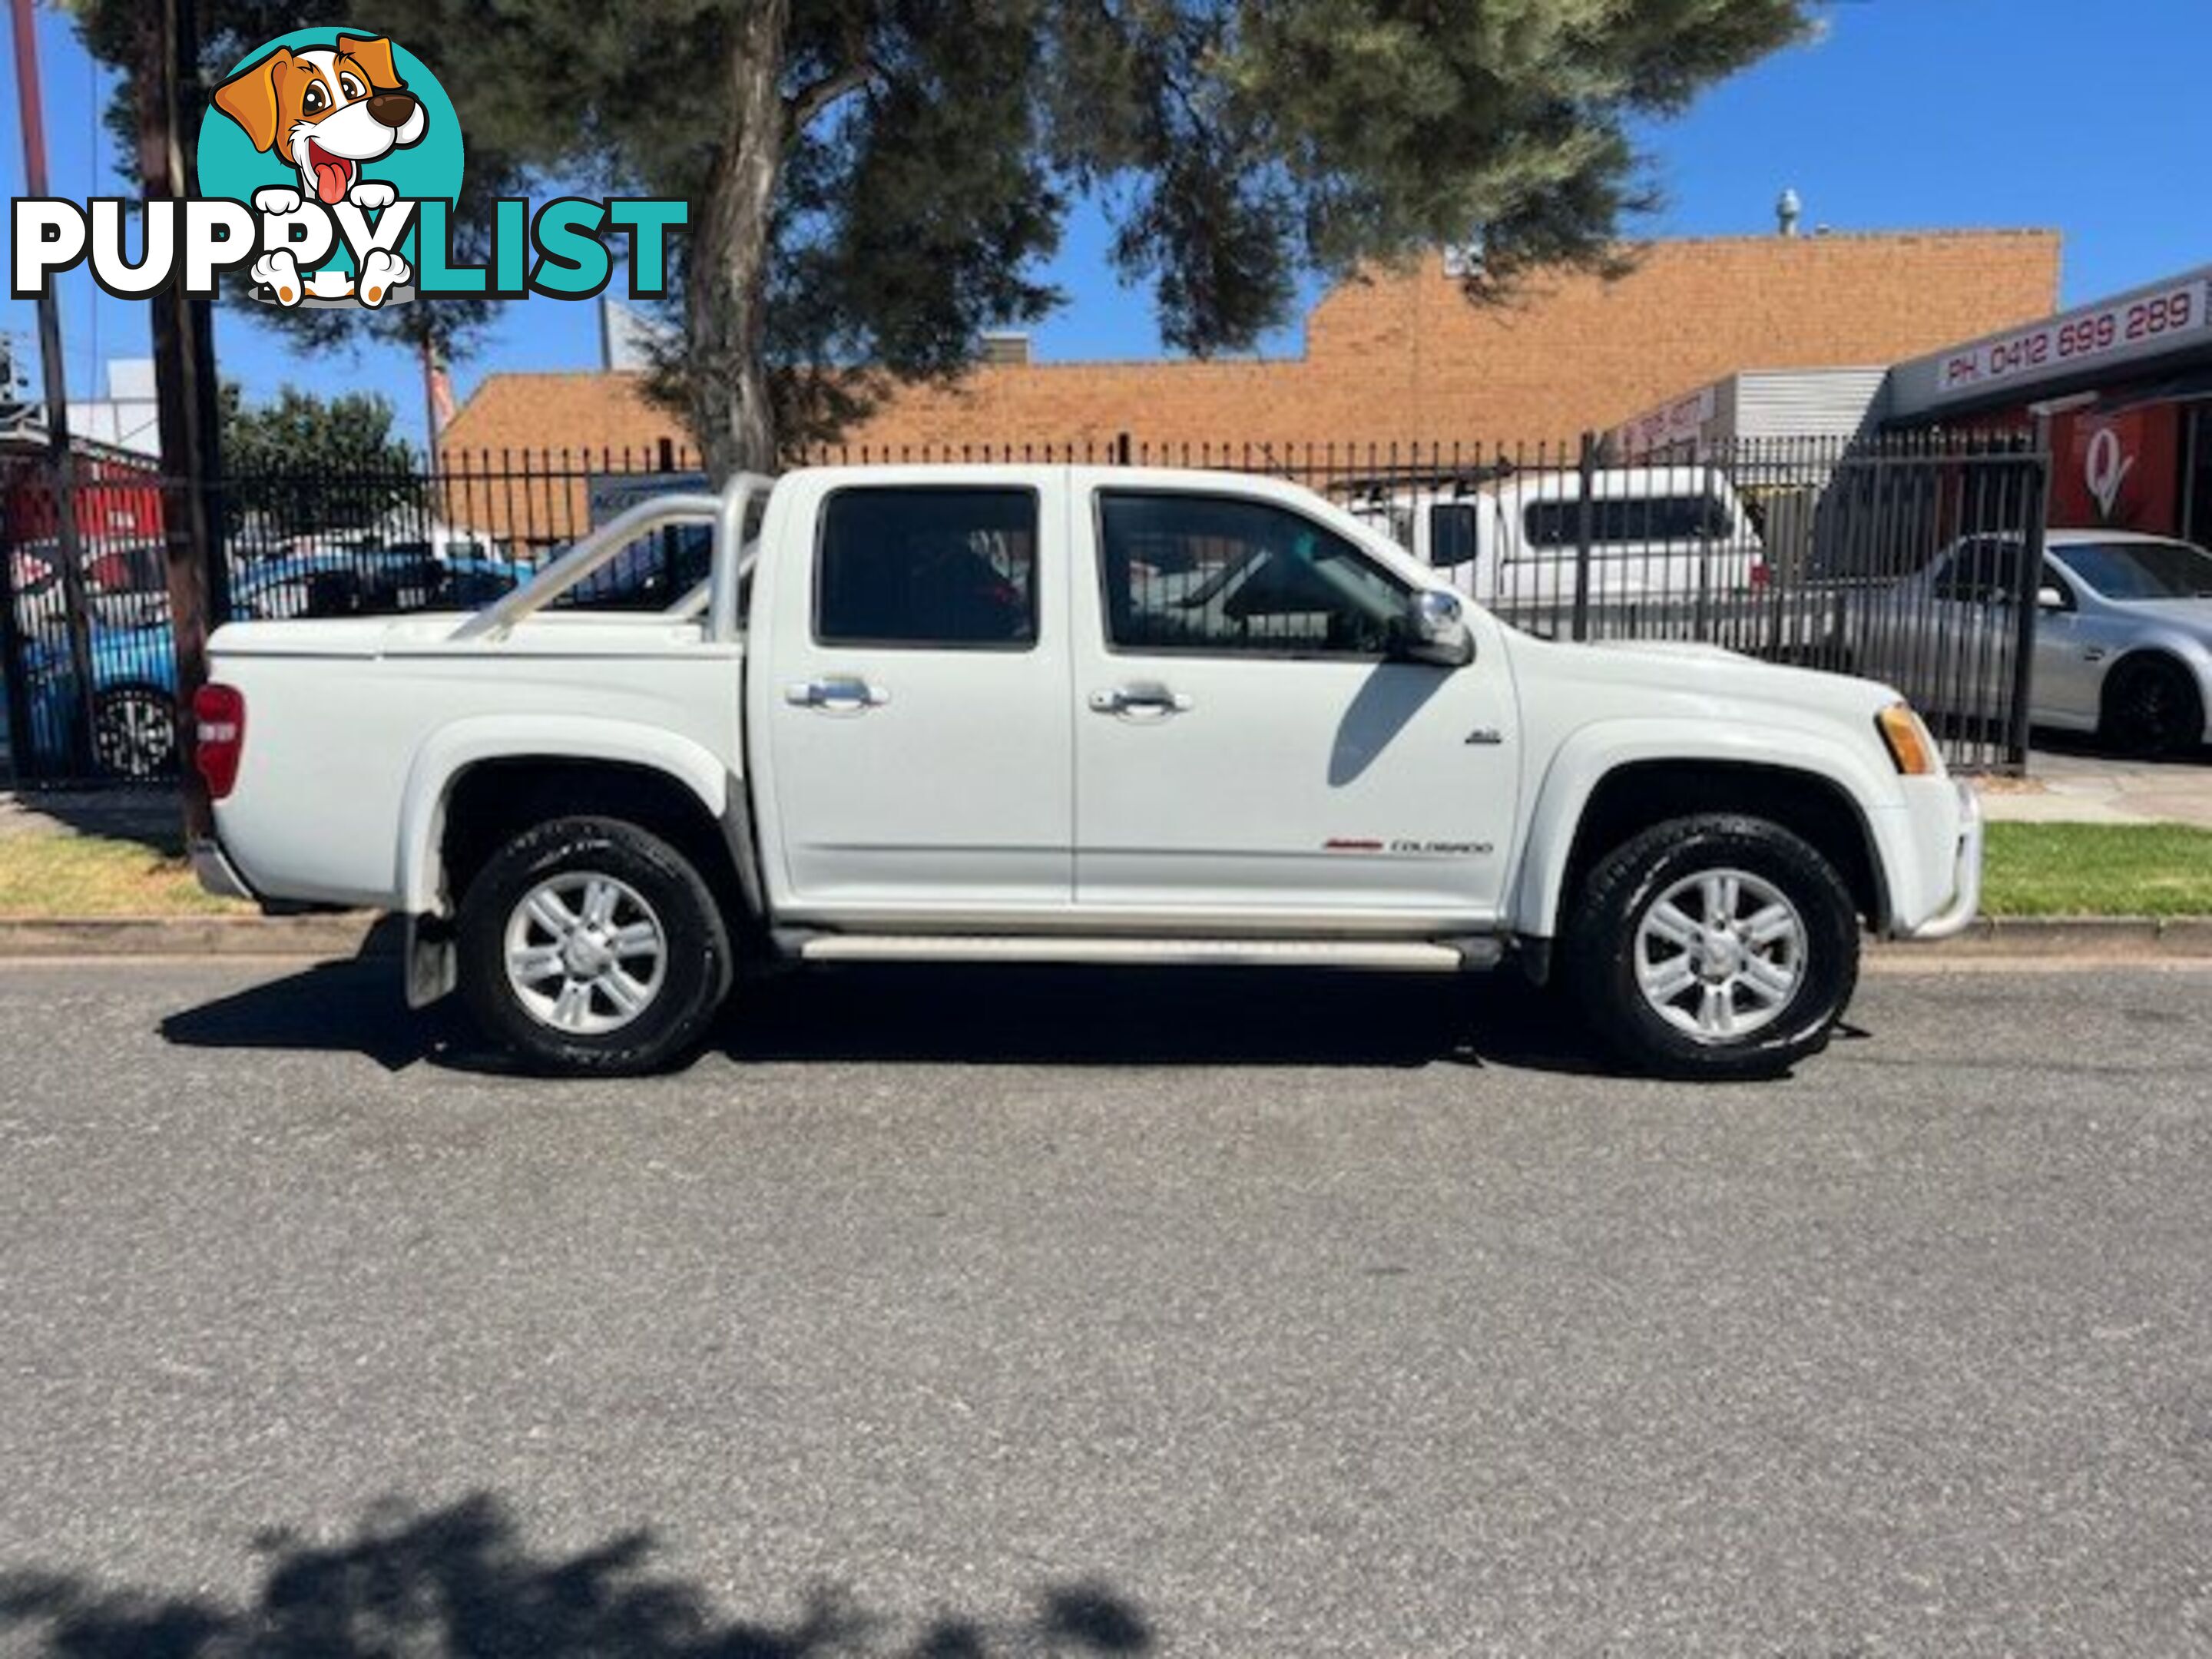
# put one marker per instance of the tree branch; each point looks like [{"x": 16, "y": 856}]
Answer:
[{"x": 811, "y": 100}]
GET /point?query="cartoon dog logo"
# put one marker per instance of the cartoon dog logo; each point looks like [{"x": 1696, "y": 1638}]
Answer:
[{"x": 328, "y": 110}]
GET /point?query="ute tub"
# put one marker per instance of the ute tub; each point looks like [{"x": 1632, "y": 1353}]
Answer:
[{"x": 341, "y": 714}]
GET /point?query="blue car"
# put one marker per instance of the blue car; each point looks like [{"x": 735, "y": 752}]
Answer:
[
  {"x": 134, "y": 701},
  {"x": 134, "y": 667}
]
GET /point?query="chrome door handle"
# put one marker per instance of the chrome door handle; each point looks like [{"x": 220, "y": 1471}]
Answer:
[
  {"x": 841, "y": 694},
  {"x": 1147, "y": 697}
]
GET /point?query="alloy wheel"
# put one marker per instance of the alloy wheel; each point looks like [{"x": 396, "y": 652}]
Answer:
[
  {"x": 586, "y": 954},
  {"x": 1720, "y": 954}
]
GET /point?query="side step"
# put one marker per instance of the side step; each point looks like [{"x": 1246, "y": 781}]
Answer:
[{"x": 1388, "y": 956}]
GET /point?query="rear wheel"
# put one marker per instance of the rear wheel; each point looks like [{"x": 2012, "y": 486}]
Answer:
[
  {"x": 1714, "y": 947},
  {"x": 2152, "y": 706},
  {"x": 591, "y": 945}
]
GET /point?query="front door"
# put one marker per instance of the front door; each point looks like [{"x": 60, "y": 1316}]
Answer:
[
  {"x": 1248, "y": 752},
  {"x": 914, "y": 698},
  {"x": 2070, "y": 657}
]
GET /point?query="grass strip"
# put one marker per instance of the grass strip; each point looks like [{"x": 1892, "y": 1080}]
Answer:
[
  {"x": 2097, "y": 870},
  {"x": 2033, "y": 870}
]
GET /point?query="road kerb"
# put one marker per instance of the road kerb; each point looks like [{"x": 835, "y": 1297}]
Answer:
[
  {"x": 1998, "y": 936},
  {"x": 348, "y": 933}
]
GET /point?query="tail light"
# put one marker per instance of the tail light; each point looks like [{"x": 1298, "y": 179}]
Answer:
[{"x": 218, "y": 735}]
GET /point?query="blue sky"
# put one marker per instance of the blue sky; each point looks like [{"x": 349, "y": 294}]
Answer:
[{"x": 2089, "y": 119}]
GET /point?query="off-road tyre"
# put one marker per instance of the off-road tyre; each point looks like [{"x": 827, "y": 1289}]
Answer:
[
  {"x": 1605, "y": 947},
  {"x": 573, "y": 860}
]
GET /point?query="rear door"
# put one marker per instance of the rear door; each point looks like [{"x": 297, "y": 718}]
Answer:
[{"x": 911, "y": 682}]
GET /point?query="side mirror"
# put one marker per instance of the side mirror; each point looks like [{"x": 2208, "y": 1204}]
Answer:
[
  {"x": 1435, "y": 631},
  {"x": 2050, "y": 598}
]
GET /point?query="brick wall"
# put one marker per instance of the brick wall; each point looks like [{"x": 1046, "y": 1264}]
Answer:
[{"x": 1404, "y": 358}]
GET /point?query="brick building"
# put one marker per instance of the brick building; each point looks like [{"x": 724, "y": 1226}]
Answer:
[{"x": 1405, "y": 358}]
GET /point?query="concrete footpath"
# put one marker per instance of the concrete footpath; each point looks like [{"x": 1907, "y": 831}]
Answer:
[{"x": 2075, "y": 786}]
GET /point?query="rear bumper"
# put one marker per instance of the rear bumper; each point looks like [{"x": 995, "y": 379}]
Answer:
[
  {"x": 217, "y": 873},
  {"x": 1965, "y": 900}
]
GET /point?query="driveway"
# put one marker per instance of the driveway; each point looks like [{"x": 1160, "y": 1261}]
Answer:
[{"x": 992, "y": 1313}]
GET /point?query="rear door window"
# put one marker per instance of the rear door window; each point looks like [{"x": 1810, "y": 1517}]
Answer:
[{"x": 928, "y": 568}]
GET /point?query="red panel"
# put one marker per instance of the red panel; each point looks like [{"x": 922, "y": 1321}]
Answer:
[{"x": 2117, "y": 471}]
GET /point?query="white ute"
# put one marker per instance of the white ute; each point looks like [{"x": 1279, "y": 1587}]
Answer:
[
  {"x": 1670, "y": 546},
  {"x": 1069, "y": 714}
]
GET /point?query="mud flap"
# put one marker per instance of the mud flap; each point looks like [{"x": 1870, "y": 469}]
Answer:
[{"x": 431, "y": 964}]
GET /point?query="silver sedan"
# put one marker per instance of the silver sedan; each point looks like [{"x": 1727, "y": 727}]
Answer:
[{"x": 2123, "y": 637}]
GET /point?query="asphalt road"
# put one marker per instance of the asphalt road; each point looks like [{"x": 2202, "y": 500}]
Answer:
[{"x": 978, "y": 1313}]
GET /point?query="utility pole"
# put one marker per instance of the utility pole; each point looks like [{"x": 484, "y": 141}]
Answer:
[
  {"x": 61, "y": 458},
  {"x": 184, "y": 377},
  {"x": 435, "y": 398}
]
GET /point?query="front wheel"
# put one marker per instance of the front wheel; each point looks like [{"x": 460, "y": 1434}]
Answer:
[
  {"x": 591, "y": 946},
  {"x": 1716, "y": 946}
]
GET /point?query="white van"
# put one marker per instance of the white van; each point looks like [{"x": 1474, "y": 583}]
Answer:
[{"x": 1671, "y": 547}]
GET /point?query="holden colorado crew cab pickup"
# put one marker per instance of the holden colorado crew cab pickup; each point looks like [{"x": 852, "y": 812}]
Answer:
[{"x": 1068, "y": 714}]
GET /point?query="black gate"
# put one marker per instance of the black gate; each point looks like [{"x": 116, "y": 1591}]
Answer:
[
  {"x": 1915, "y": 561},
  {"x": 1910, "y": 560}
]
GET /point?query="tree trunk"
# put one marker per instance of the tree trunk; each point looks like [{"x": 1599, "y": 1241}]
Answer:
[
  {"x": 185, "y": 393},
  {"x": 728, "y": 261}
]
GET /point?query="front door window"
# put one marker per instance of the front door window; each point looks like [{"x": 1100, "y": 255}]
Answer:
[{"x": 1201, "y": 574}]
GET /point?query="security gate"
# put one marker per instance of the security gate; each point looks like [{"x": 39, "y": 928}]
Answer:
[{"x": 1910, "y": 560}]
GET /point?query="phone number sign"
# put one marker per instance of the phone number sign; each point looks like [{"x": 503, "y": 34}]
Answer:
[{"x": 2136, "y": 326}]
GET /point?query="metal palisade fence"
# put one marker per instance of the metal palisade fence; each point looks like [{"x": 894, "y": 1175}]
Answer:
[{"x": 1908, "y": 559}]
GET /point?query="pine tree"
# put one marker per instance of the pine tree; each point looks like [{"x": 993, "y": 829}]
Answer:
[{"x": 874, "y": 183}]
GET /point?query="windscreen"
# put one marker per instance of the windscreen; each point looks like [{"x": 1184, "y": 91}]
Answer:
[{"x": 2141, "y": 570}]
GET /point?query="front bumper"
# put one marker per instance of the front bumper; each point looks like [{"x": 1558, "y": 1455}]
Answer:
[
  {"x": 1965, "y": 901},
  {"x": 217, "y": 873}
]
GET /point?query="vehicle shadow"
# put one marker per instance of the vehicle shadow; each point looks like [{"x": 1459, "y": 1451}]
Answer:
[
  {"x": 151, "y": 815},
  {"x": 1155, "y": 1016},
  {"x": 977, "y": 1016},
  {"x": 1387, "y": 702},
  {"x": 352, "y": 1006},
  {"x": 461, "y": 1581}
]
